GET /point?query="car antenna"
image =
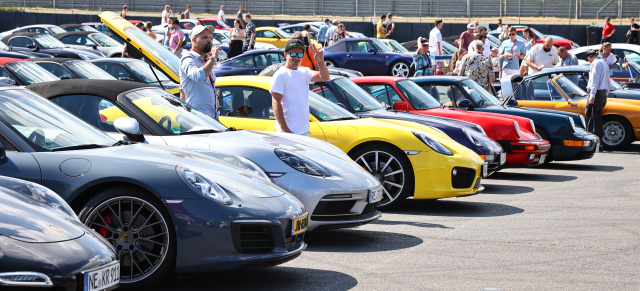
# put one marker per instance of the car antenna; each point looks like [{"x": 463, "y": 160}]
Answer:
[
  {"x": 513, "y": 92},
  {"x": 154, "y": 74}
]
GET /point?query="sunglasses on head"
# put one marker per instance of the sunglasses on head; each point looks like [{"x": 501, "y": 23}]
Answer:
[{"x": 293, "y": 55}]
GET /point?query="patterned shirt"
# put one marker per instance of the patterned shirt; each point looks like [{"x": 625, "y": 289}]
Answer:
[
  {"x": 477, "y": 67},
  {"x": 422, "y": 63},
  {"x": 249, "y": 32}
]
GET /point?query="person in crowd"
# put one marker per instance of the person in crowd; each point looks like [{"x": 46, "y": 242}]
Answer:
[
  {"x": 529, "y": 39},
  {"x": 495, "y": 62},
  {"x": 167, "y": 34},
  {"x": 187, "y": 13},
  {"x": 322, "y": 33},
  {"x": 150, "y": 33},
  {"x": 177, "y": 38},
  {"x": 477, "y": 67},
  {"x": 454, "y": 67},
  {"x": 504, "y": 35},
  {"x": 606, "y": 55},
  {"x": 566, "y": 58},
  {"x": 435, "y": 46},
  {"x": 199, "y": 23},
  {"x": 500, "y": 29},
  {"x": 511, "y": 52},
  {"x": 239, "y": 17},
  {"x": 182, "y": 16},
  {"x": 466, "y": 37},
  {"x": 290, "y": 88},
  {"x": 249, "y": 34},
  {"x": 307, "y": 28},
  {"x": 196, "y": 71},
  {"x": 166, "y": 14},
  {"x": 389, "y": 26},
  {"x": 542, "y": 56},
  {"x": 237, "y": 35},
  {"x": 487, "y": 46},
  {"x": 140, "y": 26},
  {"x": 340, "y": 33},
  {"x": 607, "y": 31},
  {"x": 421, "y": 60},
  {"x": 598, "y": 89},
  {"x": 221, "y": 17},
  {"x": 380, "y": 27},
  {"x": 632, "y": 34},
  {"x": 123, "y": 14},
  {"x": 331, "y": 31},
  {"x": 476, "y": 24}
]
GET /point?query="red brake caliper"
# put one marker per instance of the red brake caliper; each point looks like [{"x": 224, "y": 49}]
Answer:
[{"x": 104, "y": 232}]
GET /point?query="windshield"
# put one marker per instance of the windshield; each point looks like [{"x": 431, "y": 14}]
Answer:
[
  {"x": 283, "y": 33},
  {"x": 613, "y": 85},
  {"x": 381, "y": 47},
  {"x": 448, "y": 48},
  {"x": 397, "y": 47},
  {"x": 30, "y": 73},
  {"x": 88, "y": 28},
  {"x": 221, "y": 38},
  {"x": 418, "y": 98},
  {"x": 48, "y": 41},
  {"x": 173, "y": 114},
  {"x": 46, "y": 124},
  {"x": 480, "y": 96},
  {"x": 104, "y": 40},
  {"x": 325, "y": 110},
  {"x": 56, "y": 30},
  {"x": 88, "y": 70},
  {"x": 358, "y": 98},
  {"x": 634, "y": 66},
  {"x": 163, "y": 55},
  {"x": 143, "y": 71},
  {"x": 570, "y": 88}
]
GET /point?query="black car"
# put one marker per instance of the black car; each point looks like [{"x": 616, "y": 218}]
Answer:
[
  {"x": 44, "y": 244},
  {"x": 78, "y": 27},
  {"x": 66, "y": 68},
  {"x": 8, "y": 52},
  {"x": 47, "y": 44},
  {"x": 134, "y": 70},
  {"x": 24, "y": 73}
]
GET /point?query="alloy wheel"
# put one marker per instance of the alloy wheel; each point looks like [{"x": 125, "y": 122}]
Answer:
[
  {"x": 388, "y": 170},
  {"x": 400, "y": 69},
  {"x": 614, "y": 133}
]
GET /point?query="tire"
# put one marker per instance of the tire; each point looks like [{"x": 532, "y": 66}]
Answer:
[
  {"x": 330, "y": 63},
  {"x": 618, "y": 133},
  {"x": 134, "y": 222},
  {"x": 397, "y": 186},
  {"x": 399, "y": 69},
  {"x": 545, "y": 136}
]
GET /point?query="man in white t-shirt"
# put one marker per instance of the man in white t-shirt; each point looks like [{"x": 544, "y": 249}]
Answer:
[
  {"x": 166, "y": 13},
  {"x": 221, "y": 17},
  {"x": 435, "y": 45},
  {"x": 290, "y": 88},
  {"x": 542, "y": 56}
]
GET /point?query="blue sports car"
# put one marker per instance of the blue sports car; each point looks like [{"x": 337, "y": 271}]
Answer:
[{"x": 369, "y": 56}]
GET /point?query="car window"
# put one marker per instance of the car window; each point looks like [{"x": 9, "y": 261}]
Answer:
[
  {"x": 88, "y": 70},
  {"x": 35, "y": 30},
  {"x": 358, "y": 46},
  {"x": 378, "y": 91},
  {"x": 541, "y": 89},
  {"x": 30, "y": 73},
  {"x": 55, "y": 68},
  {"x": 626, "y": 55},
  {"x": 4, "y": 73},
  {"x": 268, "y": 59},
  {"x": 95, "y": 110},
  {"x": 114, "y": 70},
  {"x": 355, "y": 97},
  {"x": 76, "y": 40},
  {"x": 21, "y": 42},
  {"x": 324, "y": 91},
  {"x": 243, "y": 61},
  {"x": 245, "y": 102},
  {"x": 269, "y": 34},
  {"x": 445, "y": 94}
]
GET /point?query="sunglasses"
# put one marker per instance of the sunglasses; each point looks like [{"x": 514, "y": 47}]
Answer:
[
  {"x": 512, "y": 34},
  {"x": 293, "y": 55}
]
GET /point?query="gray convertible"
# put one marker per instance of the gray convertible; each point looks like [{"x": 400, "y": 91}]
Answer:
[
  {"x": 163, "y": 209},
  {"x": 336, "y": 191}
]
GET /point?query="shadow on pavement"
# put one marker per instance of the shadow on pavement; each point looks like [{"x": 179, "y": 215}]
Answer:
[
  {"x": 455, "y": 207},
  {"x": 505, "y": 189},
  {"x": 274, "y": 278},
  {"x": 411, "y": 223},
  {"x": 531, "y": 177},
  {"x": 581, "y": 167},
  {"x": 358, "y": 241}
]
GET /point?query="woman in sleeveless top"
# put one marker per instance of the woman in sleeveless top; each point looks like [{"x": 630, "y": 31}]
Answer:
[
  {"x": 237, "y": 35},
  {"x": 340, "y": 33}
]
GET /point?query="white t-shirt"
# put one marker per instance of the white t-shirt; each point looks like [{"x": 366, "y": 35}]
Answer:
[
  {"x": 221, "y": 16},
  {"x": 166, "y": 14},
  {"x": 538, "y": 56},
  {"x": 294, "y": 87},
  {"x": 435, "y": 37},
  {"x": 486, "y": 49}
]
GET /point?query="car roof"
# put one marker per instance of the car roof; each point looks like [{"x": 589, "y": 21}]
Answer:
[
  {"x": 85, "y": 33},
  {"x": 72, "y": 25},
  {"x": 53, "y": 60},
  {"x": 109, "y": 89},
  {"x": 27, "y": 34},
  {"x": 4, "y": 61}
]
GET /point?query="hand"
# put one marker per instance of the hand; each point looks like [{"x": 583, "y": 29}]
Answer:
[
  {"x": 317, "y": 53},
  {"x": 508, "y": 55},
  {"x": 591, "y": 100},
  {"x": 516, "y": 55}
]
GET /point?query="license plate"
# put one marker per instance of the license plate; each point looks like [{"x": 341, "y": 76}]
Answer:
[
  {"x": 102, "y": 278},
  {"x": 503, "y": 158},
  {"x": 299, "y": 225},
  {"x": 375, "y": 195},
  {"x": 542, "y": 158},
  {"x": 485, "y": 170}
]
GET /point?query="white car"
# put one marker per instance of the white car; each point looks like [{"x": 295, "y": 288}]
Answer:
[{"x": 624, "y": 53}]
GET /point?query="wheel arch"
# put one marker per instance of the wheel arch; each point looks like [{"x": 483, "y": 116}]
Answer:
[
  {"x": 625, "y": 119},
  {"x": 85, "y": 193},
  {"x": 377, "y": 142}
]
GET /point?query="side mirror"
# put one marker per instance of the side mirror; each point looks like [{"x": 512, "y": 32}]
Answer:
[
  {"x": 572, "y": 104},
  {"x": 512, "y": 102},
  {"x": 372, "y": 50},
  {"x": 7, "y": 80},
  {"x": 65, "y": 77},
  {"x": 91, "y": 45},
  {"x": 401, "y": 106},
  {"x": 31, "y": 46},
  {"x": 465, "y": 103},
  {"x": 130, "y": 128},
  {"x": 217, "y": 26}
]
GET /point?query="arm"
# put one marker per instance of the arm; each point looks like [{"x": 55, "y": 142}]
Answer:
[
  {"x": 439, "y": 49},
  {"x": 612, "y": 32},
  {"x": 533, "y": 65},
  {"x": 276, "y": 102},
  {"x": 323, "y": 72}
]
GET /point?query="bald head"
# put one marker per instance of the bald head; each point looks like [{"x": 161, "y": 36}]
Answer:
[{"x": 548, "y": 43}]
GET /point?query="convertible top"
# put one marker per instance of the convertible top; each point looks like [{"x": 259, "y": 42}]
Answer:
[
  {"x": 27, "y": 34},
  {"x": 85, "y": 33},
  {"x": 53, "y": 60},
  {"x": 109, "y": 89}
]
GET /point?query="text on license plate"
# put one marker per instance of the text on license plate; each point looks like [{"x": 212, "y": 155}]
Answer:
[
  {"x": 103, "y": 278},
  {"x": 299, "y": 225}
]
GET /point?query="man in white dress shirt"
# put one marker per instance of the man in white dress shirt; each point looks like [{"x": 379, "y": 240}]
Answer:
[{"x": 598, "y": 88}]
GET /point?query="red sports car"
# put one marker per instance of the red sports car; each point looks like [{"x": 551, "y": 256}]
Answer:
[
  {"x": 515, "y": 134},
  {"x": 214, "y": 22}
]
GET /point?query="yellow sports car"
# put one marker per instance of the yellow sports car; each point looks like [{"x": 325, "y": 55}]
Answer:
[
  {"x": 395, "y": 46},
  {"x": 620, "y": 117},
  {"x": 274, "y": 36},
  {"x": 408, "y": 158}
]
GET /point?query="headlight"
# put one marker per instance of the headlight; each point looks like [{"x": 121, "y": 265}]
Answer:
[
  {"x": 584, "y": 122},
  {"x": 255, "y": 168},
  {"x": 434, "y": 145},
  {"x": 301, "y": 163},
  {"x": 573, "y": 124},
  {"x": 517, "y": 126},
  {"x": 203, "y": 186},
  {"x": 49, "y": 197}
]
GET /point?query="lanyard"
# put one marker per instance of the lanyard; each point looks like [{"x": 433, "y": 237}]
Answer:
[
  {"x": 513, "y": 45},
  {"x": 564, "y": 62}
]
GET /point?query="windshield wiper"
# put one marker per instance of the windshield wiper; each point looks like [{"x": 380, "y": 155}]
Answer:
[
  {"x": 121, "y": 142},
  {"x": 200, "y": 131},
  {"x": 343, "y": 118},
  {"x": 80, "y": 147}
]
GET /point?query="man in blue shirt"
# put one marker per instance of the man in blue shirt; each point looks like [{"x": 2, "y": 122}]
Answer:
[
  {"x": 330, "y": 32},
  {"x": 322, "y": 34},
  {"x": 566, "y": 58},
  {"x": 598, "y": 89},
  {"x": 511, "y": 52}
]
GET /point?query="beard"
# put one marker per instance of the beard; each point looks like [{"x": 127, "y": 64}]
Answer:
[
  {"x": 206, "y": 48},
  {"x": 546, "y": 50}
]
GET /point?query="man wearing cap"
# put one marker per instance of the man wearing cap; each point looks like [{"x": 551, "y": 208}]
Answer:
[
  {"x": 196, "y": 71},
  {"x": 176, "y": 41},
  {"x": 598, "y": 89},
  {"x": 290, "y": 88},
  {"x": 466, "y": 37}
]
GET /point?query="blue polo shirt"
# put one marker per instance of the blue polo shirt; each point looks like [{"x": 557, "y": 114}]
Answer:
[
  {"x": 508, "y": 46},
  {"x": 197, "y": 85}
]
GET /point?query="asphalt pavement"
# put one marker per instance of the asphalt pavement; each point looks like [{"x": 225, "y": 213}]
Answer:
[{"x": 563, "y": 226}]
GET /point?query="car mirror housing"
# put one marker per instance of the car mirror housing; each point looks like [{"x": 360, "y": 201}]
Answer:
[
  {"x": 125, "y": 79},
  {"x": 65, "y": 77},
  {"x": 465, "y": 103},
  {"x": 31, "y": 46},
  {"x": 130, "y": 128},
  {"x": 512, "y": 102},
  {"x": 372, "y": 50},
  {"x": 91, "y": 45},
  {"x": 401, "y": 106}
]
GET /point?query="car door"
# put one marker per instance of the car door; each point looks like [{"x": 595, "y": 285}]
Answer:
[
  {"x": 261, "y": 61},
  {"x": 18, "y": 164},
  {"x": 360, "y": 59},
  {"x": 547, "y": 96},
  {"x": 268, "y": 36}
]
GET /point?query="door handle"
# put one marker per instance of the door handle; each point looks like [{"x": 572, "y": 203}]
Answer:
[{"x": 349, "y": 56}]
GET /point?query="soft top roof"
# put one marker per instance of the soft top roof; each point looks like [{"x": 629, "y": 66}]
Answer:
[
  {"x": 54, "y": 60},
  {"x": 85, "y": 33},
  {"x": 109, "y": 89}
]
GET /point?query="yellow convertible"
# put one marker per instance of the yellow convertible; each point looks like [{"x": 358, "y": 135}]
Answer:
[
  {"x": 620, "y": 117},
  {"x": 407, "y": 158},
  {"x": 274, "y": 36}
]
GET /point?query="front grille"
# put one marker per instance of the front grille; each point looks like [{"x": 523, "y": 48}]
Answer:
[
  {"x": 254, "y": 239},
  {"x": 340, "y": 207},
  {"x": 463, "y": 178}
]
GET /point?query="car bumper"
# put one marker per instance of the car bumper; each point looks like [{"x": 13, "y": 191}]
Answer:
[
  {"x": 562, "y": 152},
  {"x": 435, "y": 177},
  {"x": 525, "y": 152}
]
